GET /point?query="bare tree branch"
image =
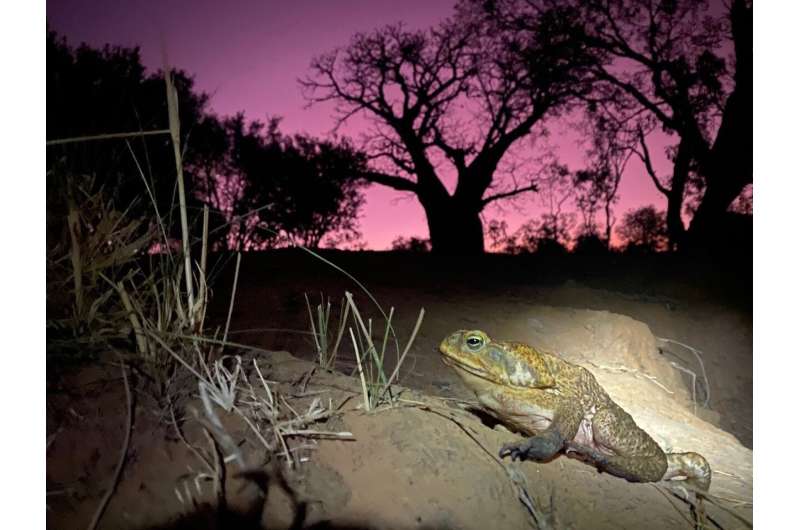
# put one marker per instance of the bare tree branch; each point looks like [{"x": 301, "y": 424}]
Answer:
[
  {"x": 644, "y": 155},
  {"x": 511, "y": 193},
  {"x": 393, "y": 181}
]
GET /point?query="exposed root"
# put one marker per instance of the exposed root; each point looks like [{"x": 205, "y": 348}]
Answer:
[{"x": 699, "y": 356}]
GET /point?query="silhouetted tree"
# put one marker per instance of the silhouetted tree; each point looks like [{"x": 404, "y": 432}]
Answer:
[
  {"x": 303, "y": 190},
  {"x": 289, "y": 190},
  {"x": 501, "y": 241},
  {"x": 643, "y": 229},
  {"x": 452, "y": 100},
  {"x": 662, "y": 67},
  {"x": 595, "y": 188},
  {"x": 99, "y": 91}
]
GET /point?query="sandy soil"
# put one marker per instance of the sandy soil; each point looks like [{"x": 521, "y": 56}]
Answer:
[{"x": 430, "y": 462}]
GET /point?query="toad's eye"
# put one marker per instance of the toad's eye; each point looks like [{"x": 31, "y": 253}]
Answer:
[{"x": 473, "y": 343}]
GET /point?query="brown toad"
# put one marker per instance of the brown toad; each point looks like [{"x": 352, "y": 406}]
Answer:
[{"x": 562, "y": 407}]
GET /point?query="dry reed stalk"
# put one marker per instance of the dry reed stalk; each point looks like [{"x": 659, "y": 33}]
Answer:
[{"x": 175, "y": 134}]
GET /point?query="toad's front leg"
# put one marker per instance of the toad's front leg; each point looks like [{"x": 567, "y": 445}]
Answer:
[
  {"x": 541, "y": 447},
  {"x": 546, "y": 445}
]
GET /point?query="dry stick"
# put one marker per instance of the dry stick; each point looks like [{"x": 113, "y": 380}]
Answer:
[
  {"x": 109, "y": 136},
  {"x": 219, "y": 473},
  {"x": 360, "y": 370},
  {"x": 107, "y": 497},
  {"x": 367, "y": 334},
  {"x": 233, "y": 297},
  {"x": 343, "y": 313},
  {"x": 405, "y": 352},
  {"x": 714, "y": 499},
  {"x": 192, "y": 448},
  {"x": 75, "y": 255},
  {"x": 672, "y": 503},
  {"x": 203, "y": 260},
  {"x": 138, "y": 331},
  {"x": 150, "y": 193},
  {"x": 317, "y": 337}
]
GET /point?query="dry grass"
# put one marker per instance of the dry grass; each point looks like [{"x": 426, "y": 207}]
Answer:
[
  {"x": 370, "y": 349},
  {"x": 156, "y": 317}
]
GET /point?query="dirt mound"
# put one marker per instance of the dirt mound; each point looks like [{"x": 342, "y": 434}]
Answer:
[{"x": 424, "y": 463}]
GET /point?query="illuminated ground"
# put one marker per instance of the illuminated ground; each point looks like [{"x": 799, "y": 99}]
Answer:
[{"x": 416, "y": 468}]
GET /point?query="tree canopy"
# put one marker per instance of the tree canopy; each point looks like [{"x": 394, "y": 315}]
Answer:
[
  {"x": 264, "y": 188},
  {"x": 680, "y": 66},
  {"x": 451, "y": 100}
]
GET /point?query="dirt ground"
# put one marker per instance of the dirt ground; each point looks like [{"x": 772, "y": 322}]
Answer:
[{"x": 430, "y": 461}]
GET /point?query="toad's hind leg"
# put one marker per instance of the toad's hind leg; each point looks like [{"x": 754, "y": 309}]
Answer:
[
  {"x": 636, "y": 457},
  {"x": 692, "y": 466}
]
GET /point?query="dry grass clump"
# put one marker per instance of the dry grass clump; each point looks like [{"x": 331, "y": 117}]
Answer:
[
  {"x": 119, "y": 285},
  {"x": 369, "y": 348}
]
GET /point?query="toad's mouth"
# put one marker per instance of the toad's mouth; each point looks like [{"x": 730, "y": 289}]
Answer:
[
  {"x": 481, "y": 373},
  {"x": 460, "y": 365}
]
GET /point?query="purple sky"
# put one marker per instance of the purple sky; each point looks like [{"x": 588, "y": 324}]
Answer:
[{"x": 249, "y": 54}]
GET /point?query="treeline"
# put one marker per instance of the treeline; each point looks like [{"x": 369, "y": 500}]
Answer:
[
  {"x": 264, "y": 188},
  {"x": 470, "y": 98}
]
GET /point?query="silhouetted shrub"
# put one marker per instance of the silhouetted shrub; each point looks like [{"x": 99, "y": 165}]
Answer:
[
  {"x": 643, "y": 230},
  {"x": 550, "y": 248},
  {"x": 411, "y": 244},
  {"x": 590, "y": 245}
]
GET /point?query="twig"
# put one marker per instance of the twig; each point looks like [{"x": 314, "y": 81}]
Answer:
[
  {"x": 123, "y": 454},
  {"x": 110, "y": 136},
  {"x": 405, "y": 351},
  {"x": 219, "y": 473},
  {"x": 233, "y": 296},
  {"x": 360, "y": 371},
  {"x": 192, "y": 448},
  {"x": 672, "y": 503},
  {"x": 310, "y": 433}
]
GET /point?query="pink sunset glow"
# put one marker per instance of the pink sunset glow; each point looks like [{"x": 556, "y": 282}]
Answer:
[{"x": 249, "y": 55}]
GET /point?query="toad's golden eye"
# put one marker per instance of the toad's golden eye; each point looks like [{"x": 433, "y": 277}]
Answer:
[{"x": 474, "y": 343}]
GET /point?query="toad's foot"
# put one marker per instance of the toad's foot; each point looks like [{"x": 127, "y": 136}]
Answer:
[
  {"x": 690, "y": 466},
  {"x": 541, "y": 447}
]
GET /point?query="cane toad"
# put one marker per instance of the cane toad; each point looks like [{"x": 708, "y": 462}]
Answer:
[{"x": 562, "y": 407}]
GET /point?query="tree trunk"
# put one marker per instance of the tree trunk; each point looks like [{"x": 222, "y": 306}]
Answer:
[
  {"x": 729, "y": 168},
  {"x": 675, "y": 228},
  {"x": 454, "y": 229}
]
